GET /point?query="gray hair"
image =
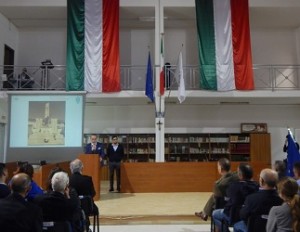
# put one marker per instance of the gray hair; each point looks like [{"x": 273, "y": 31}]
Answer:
[
  {"x": 76, "y": 166},
  {"x": 59, "y": 181}
]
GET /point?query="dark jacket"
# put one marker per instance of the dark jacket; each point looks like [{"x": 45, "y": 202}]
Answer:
[
  {"x": 115, "y": 155},
  {"x": 82, "y": 184},
  {"x": 18, "y": 215},
  {"x": 222, "y": 184},
  {"x": 237, "y": 193},
  {"x": 4, "y": 191},
  {"x": 260, "y": 203},
  {"x": 56, "y": 207}
]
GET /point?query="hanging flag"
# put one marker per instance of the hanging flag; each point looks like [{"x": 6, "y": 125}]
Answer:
[
  {"x": 162, "y": 83},
  {"x": 93, "y": 62},
  {"x": 162, "y": 72},
  {"x": 292, "y": 154},
  {"x": 149, "y": 80},
  {"x": 180, "y": 80},
  {"x": 224, "y": 45}
]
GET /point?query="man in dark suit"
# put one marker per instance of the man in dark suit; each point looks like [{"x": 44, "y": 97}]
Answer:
[
  {"x": 115, "y": 153},
  {"x": 261, "y": 202},
  {"x": 236, "y": 194},
  {"x": 220, "y": 188},
  {"x": 58, "y": 205},
  {"x": 4, "y": 189},
  {"x": 16, "y": 213},
  {"x": 83, "y": 185},
  {"x": 94, "y": 147}
]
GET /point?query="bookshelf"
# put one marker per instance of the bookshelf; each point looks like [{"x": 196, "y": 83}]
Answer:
[{"x": 194, "y": 147}]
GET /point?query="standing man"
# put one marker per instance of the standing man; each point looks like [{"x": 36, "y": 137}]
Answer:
[
  {"x": 115, "y": 153},
  {"x": 94, "y": 147}
]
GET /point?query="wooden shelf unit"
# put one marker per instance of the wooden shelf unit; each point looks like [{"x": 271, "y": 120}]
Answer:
[{"x": 194, "y": 147}]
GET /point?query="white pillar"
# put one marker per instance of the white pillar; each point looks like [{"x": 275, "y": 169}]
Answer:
[{"x": 159, "y": 100}]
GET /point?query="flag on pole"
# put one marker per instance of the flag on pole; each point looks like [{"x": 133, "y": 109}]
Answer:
[
  {"x": 149, "y": 80},
  {"x": 224, "y": 44},
  {"x": 180, "y": 79},
  {"x": 93, "y": 62},
  {"x": 162, "y": 72},
  {"x": 292, "y": 153}
]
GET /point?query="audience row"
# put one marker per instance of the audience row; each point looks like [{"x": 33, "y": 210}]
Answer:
[
  {"x": 26, "y": 207},
  {"x": 238, "y": 201}
]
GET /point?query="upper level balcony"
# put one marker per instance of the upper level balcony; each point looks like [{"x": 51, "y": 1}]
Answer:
[{"x": 133, "y": 78}]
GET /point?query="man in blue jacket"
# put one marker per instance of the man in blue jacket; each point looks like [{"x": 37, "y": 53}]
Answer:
[{"x": 94, "y": 147}]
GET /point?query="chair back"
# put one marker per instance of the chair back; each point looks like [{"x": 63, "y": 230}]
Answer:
[
  {"x": 257, "y": 223},
  {"x": 63, "y": 226},
  {"x": 87, "y": 204}
]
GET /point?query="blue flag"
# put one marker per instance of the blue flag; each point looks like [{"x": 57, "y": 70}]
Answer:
[
  {"x": 149, "y": 80},
  {"x": 292, "y": 154}
]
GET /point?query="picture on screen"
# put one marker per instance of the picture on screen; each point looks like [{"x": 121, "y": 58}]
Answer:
[{"x": 46, "y": 123}]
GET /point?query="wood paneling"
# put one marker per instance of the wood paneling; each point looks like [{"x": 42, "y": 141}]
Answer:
[
  {"x": 91, "y": 167},
  {"x": 174, "y": 177},
  {"x": 260, "y": 148}
]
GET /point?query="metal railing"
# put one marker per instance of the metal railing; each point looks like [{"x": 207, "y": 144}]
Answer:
[{"x": 133, "y": 77}]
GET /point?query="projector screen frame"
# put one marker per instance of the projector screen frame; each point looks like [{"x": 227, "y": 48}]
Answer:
[{"x": 53, "y": 153}]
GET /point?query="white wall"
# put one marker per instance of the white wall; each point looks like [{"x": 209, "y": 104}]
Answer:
[
  {"x": 38, "y": 44},
  {"x": 270, "y": 46},
  {"x": 9, "y": 36}
]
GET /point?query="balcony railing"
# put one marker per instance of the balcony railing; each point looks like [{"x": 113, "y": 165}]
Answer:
[{"x": 266, "y": 77}]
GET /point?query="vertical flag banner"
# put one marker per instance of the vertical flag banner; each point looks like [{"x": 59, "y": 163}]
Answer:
[
  {"x": 162, "y": 72},
  {"x": 224, "y": 45},
  {"x": 292, "y": 154},
  {"x": 149, "y": 80},
  {"x": 180, "y": 79},
  {"x": 93, "y": 62}
]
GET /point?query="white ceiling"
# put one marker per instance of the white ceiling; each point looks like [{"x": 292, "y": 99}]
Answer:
[{"x": 55, "y": 16}]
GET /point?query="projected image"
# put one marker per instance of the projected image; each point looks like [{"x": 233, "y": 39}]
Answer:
[{"x": 46, "y": 123}]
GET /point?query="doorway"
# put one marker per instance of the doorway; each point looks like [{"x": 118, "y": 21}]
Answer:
[{"x": 9, "y": 59}]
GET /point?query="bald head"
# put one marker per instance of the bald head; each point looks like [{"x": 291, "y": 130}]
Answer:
[
  {"x": 268, "y": 178},
  {"x": 20, "y": 183}
]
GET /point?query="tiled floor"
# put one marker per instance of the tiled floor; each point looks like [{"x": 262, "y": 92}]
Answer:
[{"x": 151, "y": 211}]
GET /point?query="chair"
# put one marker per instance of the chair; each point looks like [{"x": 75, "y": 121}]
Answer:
[
  {"x": 90, "y": 209},
  {"x": 220, "y": 202},
  {"x": 63, "y": 226},
  {"x": 257, "y": 223}
]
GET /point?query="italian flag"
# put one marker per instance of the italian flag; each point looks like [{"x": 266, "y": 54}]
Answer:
[
  {"x": 224, "y": 45},
  {"x": 93, "y": 62}
]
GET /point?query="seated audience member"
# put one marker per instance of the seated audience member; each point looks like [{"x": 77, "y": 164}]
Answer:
[
  {"x": 17, "y": 214},
  {"x": 296, "y": 170},
  {"x": 280, "y": 168},
  {"x": 35, "y": 189},
  {"x": 4, "y": 189},
  {"x": 220, "y": 187},
  {"x": 261, "y": 202},
  {"x": 236, "y": 194},
  {"x": 82, "y": 184},
  {"x": 25, "y": 79},
  {"x": 287, "y": 216},
  {"x": 57, "y": 205},
  {"x": 77, "y": 214}
]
